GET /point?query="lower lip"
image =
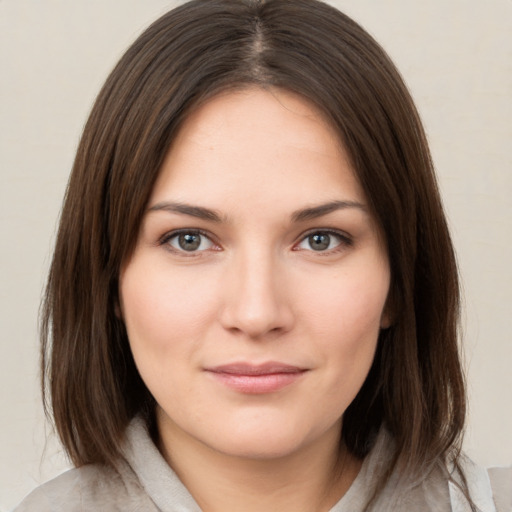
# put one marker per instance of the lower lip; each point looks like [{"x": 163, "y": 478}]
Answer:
[{"x": 257, "y": 384}]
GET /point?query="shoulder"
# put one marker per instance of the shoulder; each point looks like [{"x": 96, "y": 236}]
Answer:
[
  {"x": 490, "y": 489},
  {"x": 442, "y": 487},
  {"x": 89, "y": 488},
  {"x": 501, "y": 484}
]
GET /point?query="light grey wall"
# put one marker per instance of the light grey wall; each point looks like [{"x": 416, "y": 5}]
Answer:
[{"x": 456, "y": 56}]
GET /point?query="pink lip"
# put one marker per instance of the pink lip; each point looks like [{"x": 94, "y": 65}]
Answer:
[{"x": 256, "y": 379}]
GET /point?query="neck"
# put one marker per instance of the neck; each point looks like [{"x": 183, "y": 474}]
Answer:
[{"x": 311, "y": 479}]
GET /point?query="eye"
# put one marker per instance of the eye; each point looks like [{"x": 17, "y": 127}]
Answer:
[
  {"x": 322, "y": 241},
  {"x": 188, "y": 241}
]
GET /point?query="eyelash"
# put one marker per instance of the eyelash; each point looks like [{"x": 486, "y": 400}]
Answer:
[
  {"x": 164, "y": 241},
  {"x": 345, "y": 241}
]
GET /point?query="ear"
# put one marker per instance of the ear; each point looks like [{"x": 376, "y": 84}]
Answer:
[
  {"x": 388, "y": 316},
  {"x": 385, "y": 320},
  {"x": 118, "y": 310}
]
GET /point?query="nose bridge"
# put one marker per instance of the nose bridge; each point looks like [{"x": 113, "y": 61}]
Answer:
[{"x": 256, "y": 302}]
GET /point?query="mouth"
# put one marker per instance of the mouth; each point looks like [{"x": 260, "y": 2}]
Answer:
[{"x": 256, "y": 379}]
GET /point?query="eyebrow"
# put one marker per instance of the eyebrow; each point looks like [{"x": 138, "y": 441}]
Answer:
[
  {"x": 301, "y": 215},
  {"x": 324, "y": 209},
  {"x": 187, "y": 209}
]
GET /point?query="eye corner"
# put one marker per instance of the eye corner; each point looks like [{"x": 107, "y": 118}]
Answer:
[
  {"x": 199, "y": 242},
  {"x": 324, "y": 239}
]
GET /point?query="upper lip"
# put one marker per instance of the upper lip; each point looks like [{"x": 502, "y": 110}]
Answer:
[{"x": 268, "y": 368}]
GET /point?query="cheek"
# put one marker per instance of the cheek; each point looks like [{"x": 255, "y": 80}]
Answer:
[
  {"x": 345, "y": 320},
  {"x": 349, "y": 304},
  {"x": 162, "y": 309}
]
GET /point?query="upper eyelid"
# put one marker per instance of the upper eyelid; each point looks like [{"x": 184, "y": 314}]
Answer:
[
  {"x": 345, "y": 241},
  {"x": 164, "y": 239},
  {"x": 175, "y": 232},
  {"x": 331, "y": 231}
]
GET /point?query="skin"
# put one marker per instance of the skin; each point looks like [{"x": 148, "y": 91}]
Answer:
[{"x": 255, "y": 291}]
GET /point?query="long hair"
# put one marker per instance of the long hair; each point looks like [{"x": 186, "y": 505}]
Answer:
[{"x": 415, "y": 387}]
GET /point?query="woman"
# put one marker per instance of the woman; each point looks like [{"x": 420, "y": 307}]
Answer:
[{"x": 253, "y": 299}]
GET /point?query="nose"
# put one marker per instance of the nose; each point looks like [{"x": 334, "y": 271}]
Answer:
[{"x": 257, "y": 302}]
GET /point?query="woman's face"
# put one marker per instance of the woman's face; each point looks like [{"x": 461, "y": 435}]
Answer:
[{"x": 257, "y": 289}]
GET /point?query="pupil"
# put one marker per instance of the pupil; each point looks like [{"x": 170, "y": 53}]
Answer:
[
  {"x": 319, "y": 242},
  {"x": 189, "y": 242}
]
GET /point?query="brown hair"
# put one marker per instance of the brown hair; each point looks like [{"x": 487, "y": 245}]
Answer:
[{"x": 415, "y": 386}]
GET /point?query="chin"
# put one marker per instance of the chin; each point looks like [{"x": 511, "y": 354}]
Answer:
[
  {"x": 260, "y": 448},
  {"x": 265, "y": 442}
]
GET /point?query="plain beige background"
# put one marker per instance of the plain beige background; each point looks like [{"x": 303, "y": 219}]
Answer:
[{"x": 456, "y": 56}]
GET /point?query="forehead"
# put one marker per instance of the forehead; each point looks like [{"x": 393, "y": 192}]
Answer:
[
  {"x": 264, "y": 111},
  {"x": 254, "y": 143}
]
